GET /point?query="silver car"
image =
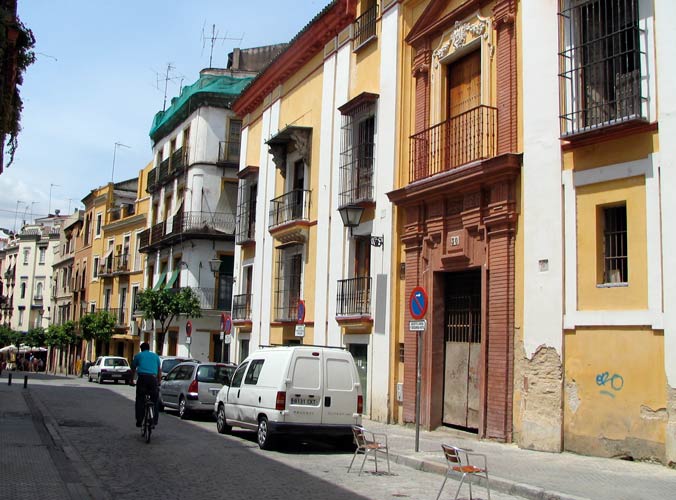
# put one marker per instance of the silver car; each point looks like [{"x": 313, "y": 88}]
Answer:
[{"x": 191, "y": 387}]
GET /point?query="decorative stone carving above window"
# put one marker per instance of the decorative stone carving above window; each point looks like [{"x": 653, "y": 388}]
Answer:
[
  {"x": 289, "y": 139},
  {"x": 456, "y": 38}
]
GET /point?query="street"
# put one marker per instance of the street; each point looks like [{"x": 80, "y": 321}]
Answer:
[{"x": 104, "y": 455}]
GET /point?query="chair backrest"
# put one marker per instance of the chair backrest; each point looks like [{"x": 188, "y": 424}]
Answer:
[
  {"x": 452, "y": 454},
  {"x": 359, "y": 436}
]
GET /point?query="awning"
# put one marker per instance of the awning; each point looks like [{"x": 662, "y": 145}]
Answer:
[
  {"x": 172, "y": 279},
  {"x": 160, "y": 281},
  {"x": 108, "y": 253}
]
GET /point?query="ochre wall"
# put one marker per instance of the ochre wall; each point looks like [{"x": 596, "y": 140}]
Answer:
[{"x": 614, "y": 399}]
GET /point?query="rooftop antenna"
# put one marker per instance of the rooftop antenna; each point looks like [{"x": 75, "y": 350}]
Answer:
[
  {"x": 117, "y": 145},
  {"x": 49, "y": 208},
  {"x": 167, "y": 77},
  {"x": 212, "y": 41}
]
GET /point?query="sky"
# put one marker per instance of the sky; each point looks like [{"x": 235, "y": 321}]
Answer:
[{"x": 99, "y": 80}]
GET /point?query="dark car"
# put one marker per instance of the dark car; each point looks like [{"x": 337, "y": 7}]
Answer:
[
  {"x": 191, "y": 387},
  {"x": 168, "y": 362}
]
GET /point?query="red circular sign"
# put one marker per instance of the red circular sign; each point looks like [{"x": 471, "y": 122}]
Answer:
[
  {"x": 188, "y": 328},
  {"x": 223, "y": 316},
  {"x": 227, "y": 325},
  {"x": 301, "y": 311},
  {"x": 417, "y": 303}
]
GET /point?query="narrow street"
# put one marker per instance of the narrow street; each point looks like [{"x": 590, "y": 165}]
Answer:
[{"x": 97, "y": 449}]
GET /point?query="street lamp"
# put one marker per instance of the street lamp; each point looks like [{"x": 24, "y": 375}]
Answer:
[
  {"x": 215, "y": 265},
  {"x": 351, "y": 215}
]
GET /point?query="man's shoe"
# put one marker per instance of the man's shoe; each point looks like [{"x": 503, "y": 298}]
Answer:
[{"x": 138, "y": 424}]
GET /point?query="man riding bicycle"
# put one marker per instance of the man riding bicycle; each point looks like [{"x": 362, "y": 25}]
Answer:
[{"x": 147, "y": 364}]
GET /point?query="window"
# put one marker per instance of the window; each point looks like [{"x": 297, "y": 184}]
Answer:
[
  {"x": 95, "y": 271},
  {"x": 365, "y": 24},
  {"x": 20, "y": 317},
  {"x": 601, "y": 77},
  {"x": 38, "y": 291},
  {"x": 234, "y": 139},
  {"x": 243, "y": 348},
  {"x": 23, "y": 290},
  {"x": 137, "y": 252},
  {"x": 43, "y": 251},
  {"x": 239, "y": 374},
  {"x": 254, "y": 372},
  {"x": 26, "y": 253},
  {"x": 246, "y": 211},
  {"x": 288, "y": 282},
  {"x": 99, "y": 221},
  {"x": 357, "y": 151},
  {"x": 225, "y": 282},
  {"x": 615, "y": 261}
]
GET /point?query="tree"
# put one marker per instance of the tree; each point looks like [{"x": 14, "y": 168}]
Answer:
[
  {"x": 165, "y": 304},
  {"x": 61, "y": 335},
  {"x": 35, "y": 337},
  {"x": 98, "y": 325},
  {"x": 6, "y": 335}
]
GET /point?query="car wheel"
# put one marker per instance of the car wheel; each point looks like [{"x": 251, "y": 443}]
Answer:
[
  {"x": 221, "y": 424},
  {"x": 264, "y": 437},
  {"x": 99, "y": 379},
  {"x": 182, "y": 408}
]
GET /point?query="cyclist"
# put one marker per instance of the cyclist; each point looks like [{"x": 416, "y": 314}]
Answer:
[{"x": 147, "y": 364}]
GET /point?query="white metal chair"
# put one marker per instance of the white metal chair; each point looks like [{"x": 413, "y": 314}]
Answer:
[
  {"x": 369, "y": 442},
  {"x": 463, "y": 462}
]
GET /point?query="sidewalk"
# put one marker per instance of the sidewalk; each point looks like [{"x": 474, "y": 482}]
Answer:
[{"x": 532, "y": 474}]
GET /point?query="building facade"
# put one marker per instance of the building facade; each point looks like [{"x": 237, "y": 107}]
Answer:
[
  {"x": 189, "y": 240},
  {"x": 8, "y": 257},
  {"x": 314, "y": 254}
]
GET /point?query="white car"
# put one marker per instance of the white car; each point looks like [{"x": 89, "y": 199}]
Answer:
[
  {"x": 299, "y": 390},
  {"x": 113, "y": 368}
]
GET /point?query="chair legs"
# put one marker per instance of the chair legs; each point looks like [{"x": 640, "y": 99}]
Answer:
[
  {"x": 375, "y": 457},
  {"x": 353, "y": 457},
  {"x": 469, "y": 482}
]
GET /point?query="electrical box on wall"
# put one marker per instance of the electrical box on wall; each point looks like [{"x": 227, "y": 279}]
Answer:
[{"x": 400, "y": 392}]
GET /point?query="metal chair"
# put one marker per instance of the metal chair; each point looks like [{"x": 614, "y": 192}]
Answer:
[
  {"x": 459, "y": 460},
  {"x": 369, "y": 442}
]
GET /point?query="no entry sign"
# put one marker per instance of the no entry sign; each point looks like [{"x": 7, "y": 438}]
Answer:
[
  {"x": 418, "y": 303},
  {"x": 188, "y": 328}
]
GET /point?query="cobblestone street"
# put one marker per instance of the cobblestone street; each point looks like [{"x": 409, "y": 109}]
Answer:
[{"x": 96, "y": 451}]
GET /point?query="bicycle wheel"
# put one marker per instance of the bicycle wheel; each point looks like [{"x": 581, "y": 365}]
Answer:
[{"x": 147, "y": 425}]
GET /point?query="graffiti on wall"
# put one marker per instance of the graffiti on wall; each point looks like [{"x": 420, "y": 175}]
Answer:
[{"x": 610, "y": 384}]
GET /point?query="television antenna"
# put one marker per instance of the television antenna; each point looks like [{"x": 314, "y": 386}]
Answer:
[
  {"x": 212, "y": 40},
  {"x": 167, "y": 77}
]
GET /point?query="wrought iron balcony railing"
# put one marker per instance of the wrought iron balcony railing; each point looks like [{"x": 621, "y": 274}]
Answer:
[
  {"x": 286, "y": 305},
  {"x": 211, "y": 300},
  {"x": 163, "y": 170},
  {"x": 228, "y": 152},
  {"x": 292, "y": 206},
  {"x": 246, "y": 223},
  {"x": 462, "y": 139},
  {"x": 354, "y": 297},
  {"x": 179, "y": 160},
  {"x": 241, "y": 307},
  {"x": 151, "y": 180},
  {"x": 119, "y": 314},
  {"x": 365, "y": 26}
]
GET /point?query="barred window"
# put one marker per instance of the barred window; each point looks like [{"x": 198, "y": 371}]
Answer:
[
  {"x": 246, "y": 211},
  {"x": 615, "y": 255},
  {"x": 600, "y": 61},
  {"x": 288, "y": 282},
  {"x": 357, "y": 154}
]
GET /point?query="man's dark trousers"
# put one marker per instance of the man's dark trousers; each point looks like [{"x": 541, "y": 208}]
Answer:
[{"x": 146, "y": 384}]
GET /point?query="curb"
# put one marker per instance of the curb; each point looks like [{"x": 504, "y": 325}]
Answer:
[{"x": 497, "y": 483}]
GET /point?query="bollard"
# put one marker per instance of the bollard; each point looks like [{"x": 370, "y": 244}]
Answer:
[
  {"x": 9, "y": 379},
  {"x": 25, "y": 381}
]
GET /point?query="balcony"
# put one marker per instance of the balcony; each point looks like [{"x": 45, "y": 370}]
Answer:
[
  {"x": 151, "y": 180},
  {"x": 196, "y": 225},
  {"x": 286, "y": 306},
  {"x": 462, "y": 139},
  {"x": 119, "y": 314},
  {"x": 117, "y": 264},
  {"x": 290, "y": 214},
  {"x": 179, "y": 160},
  {"x": 365, "y": 27},
  {"x": 210, "y": 299},
  {"x": 241, "y": 308},
  {"x": 354, "y": 297},
  {"x": 228, "y": 152},
  {"x": 163, "y": 171}
]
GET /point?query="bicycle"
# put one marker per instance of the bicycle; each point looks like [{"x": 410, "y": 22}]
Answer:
[{"x": 148, "y": 418}]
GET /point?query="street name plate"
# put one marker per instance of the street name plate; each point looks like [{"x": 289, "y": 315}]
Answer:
[
  {"x": 228, "y": 338},
  {"x": 300, "y": 330},
  {"x": 418, "y": 325}
]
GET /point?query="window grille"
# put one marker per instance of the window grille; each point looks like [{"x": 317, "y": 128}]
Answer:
[
  {"x": 288, "y": 282},
  {"x": 600, "y": 61},
  {"x": 246, "y": 211},
  {"x": 357, "y": 155},
  {"x": 616, "y": 265},
  {"x": 365, "y": 26}
]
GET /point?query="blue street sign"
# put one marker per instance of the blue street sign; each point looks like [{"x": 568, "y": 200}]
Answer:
[{"x": 418, "y": 303}]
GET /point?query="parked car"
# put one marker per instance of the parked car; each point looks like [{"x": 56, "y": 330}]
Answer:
[
  {"x": 300, "y": 390},
  {"x": 168, "y": 362},
  {"x": 191, "y": 386},
  {"x": 113, "y": 368}
]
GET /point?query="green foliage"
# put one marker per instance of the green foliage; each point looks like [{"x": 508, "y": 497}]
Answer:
[
  {"x": 98, "y": 325},
  {"x": 61, "y": 335},
  {"x": 11, "y": 103},
  {"x": 165, "y": 304},
  {"x": 8, "y": 336},
  {"x": 35, "y": 337}
]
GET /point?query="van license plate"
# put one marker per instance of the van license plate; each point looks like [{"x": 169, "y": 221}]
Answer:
[{"x": 304, "y": 401}]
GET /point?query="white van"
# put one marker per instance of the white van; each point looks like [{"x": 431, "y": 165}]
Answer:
[{"x": 292, "y": 390}]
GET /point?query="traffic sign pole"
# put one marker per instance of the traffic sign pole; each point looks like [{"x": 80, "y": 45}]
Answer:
[
  {"x": 418, "y": 390},
  {"x": 417, "y": 305}
]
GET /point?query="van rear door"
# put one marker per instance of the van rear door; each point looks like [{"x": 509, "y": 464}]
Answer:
[
  {"x": 341, "y": 389},
  {"x": 304, "y": 393}
]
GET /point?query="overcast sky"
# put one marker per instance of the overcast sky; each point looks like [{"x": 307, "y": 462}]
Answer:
[{"x": 95, "y": 83}]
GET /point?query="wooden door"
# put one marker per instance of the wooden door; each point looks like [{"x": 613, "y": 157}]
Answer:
[
  {"x": 463, "y": 112},
  {"x": 462, "y": 349}
]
